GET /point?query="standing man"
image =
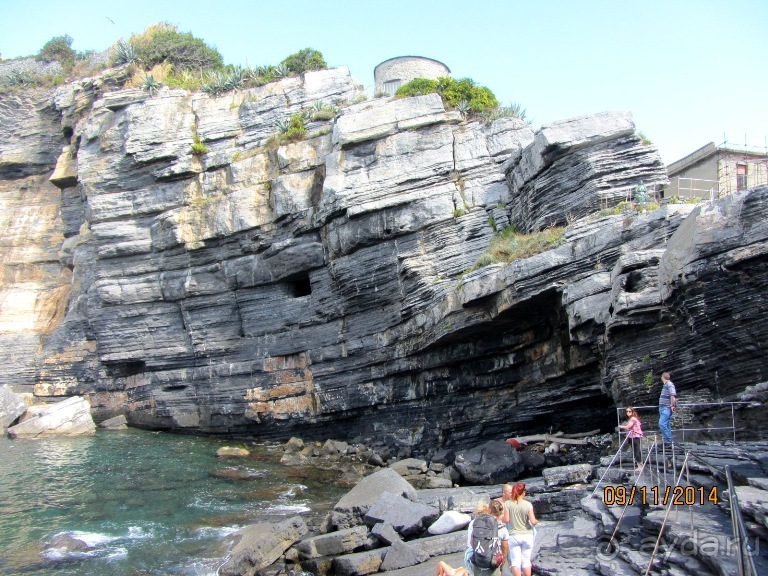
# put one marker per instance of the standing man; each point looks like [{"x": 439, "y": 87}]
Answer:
[
  {"x": 667, "y": 405},
  {"x": 506, "y": 494}
]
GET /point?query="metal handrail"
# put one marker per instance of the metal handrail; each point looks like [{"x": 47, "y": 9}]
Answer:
[
  {"x": 608, "y": 467},
  {"x": 681, "y": 405},
  {"x": 745, "y": 560},
  {"x": 666, "y": 515}
]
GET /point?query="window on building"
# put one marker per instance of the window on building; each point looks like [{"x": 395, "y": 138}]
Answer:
[
  {"x": 391, "y": 86},
  {"x": 741, "y": 176}
]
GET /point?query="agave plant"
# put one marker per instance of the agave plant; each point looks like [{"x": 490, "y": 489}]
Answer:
[
  {"x": 320, "y": 111},
  {"x": 236, "y": 78},
  {"x": 282, "y": 125},
  {"x": 216, "y": 83},
  {"x": 280, "y": 71},
  {"x": 150, "y": 84},
  {"x": 19, "y": 78},
  {"x": 463, "y": 107},
  {"x": 514, "y": 110},
  {"x": 125, "y": 53}
]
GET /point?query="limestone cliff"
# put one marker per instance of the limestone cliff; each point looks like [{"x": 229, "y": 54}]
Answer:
[{"x": 317, "y": 286}]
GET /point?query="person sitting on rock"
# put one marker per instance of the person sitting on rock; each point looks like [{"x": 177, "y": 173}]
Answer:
[{"x": 445, "y": 569}]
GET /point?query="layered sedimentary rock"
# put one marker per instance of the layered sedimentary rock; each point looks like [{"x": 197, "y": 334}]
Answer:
[{"x": 319, "y": 285}]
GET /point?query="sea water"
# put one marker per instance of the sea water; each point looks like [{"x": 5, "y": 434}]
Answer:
[{"x": 140, "y": 503}]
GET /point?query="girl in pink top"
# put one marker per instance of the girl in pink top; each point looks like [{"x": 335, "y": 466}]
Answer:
[{"x": 634, "y": 433}]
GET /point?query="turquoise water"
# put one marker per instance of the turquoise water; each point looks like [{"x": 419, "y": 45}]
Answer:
[{"x": 144, "y": 502}]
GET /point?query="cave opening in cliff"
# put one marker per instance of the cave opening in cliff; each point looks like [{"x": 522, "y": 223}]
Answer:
[
  {"x": 125, "y": 369},
  {"x": 300, "y": 285}
]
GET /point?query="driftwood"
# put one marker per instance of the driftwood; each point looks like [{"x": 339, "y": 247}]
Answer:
[{"x": 559, "y": 437}]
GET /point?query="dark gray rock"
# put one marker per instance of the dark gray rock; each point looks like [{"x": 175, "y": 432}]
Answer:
[
  {"x": 464, "y": 499},
  {"x": 385, "y": 532},
  {"x": 558, "y": 504},
  {"x": 406, "y": 517},
  {"x": 321, "y": 287},
  {"x": 493, "y": 462},
  {"x": 333, "y": 543},
  {"x": 442, "y": 544},
  {"x": 402, "y": 555},
  {"x": 360, "y": 563},
  {"x": 351, "y": 508}
]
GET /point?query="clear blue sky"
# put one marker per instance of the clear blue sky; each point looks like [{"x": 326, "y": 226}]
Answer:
[{"x": 691, "y": 71}]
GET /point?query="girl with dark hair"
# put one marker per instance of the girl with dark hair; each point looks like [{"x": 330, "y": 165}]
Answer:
[{"x": 634, "y": 433}]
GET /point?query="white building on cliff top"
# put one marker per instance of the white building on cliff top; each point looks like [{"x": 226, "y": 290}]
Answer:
[{"x": 393, "y": 73}]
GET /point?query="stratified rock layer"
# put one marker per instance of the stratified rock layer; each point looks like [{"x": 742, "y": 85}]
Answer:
[{"x": 317, "y": 285}]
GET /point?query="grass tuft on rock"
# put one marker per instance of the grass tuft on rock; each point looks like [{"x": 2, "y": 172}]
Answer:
[{"x": 509, "y": 245}]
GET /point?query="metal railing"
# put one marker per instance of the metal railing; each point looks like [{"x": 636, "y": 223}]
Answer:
[
  {"x": 684, "y": 414},
  {"x": 657, "y": 465},
  {"x": 654, "y": 461},
  {"x": 609, "y": 196},
  {"x": 685, "y": 187},
  {"x": 744, "y": 558}
]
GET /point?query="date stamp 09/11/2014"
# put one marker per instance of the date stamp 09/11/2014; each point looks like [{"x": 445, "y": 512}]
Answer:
[{"x": 655, "y": 496}]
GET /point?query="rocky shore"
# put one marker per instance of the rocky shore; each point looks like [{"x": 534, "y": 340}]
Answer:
[{"x": 386, "y": 524}]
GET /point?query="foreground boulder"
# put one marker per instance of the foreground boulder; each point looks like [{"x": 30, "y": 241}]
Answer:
[
  {"x": 491, "y": 463},
  {"x": 406, "y": 517},
  {"x": 70, "y": 417},
  {"x": 350, "y": 510},
  {"x": 11, "y": 406},
  {"x": 260, "y": 545}
]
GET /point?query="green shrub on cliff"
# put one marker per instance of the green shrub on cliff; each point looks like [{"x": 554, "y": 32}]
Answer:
[
  {"x": 510, "y": 245},
  {"x": 58, "y": 49},
  {"x": 294, "y": 130},
  {"x": 305, "y": 60},
  {"x": 417, "y": 87},
  {"x": 462, "y": 93},
  {"x": 162, "y": 42}
]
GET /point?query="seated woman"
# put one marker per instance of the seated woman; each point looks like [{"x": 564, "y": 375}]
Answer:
[{"x": 445, "y": 569}]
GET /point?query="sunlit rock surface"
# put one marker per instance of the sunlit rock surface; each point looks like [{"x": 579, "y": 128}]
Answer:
[{"x": 319, "y": 286}]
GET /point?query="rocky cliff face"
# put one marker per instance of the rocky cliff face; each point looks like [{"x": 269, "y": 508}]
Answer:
[{"x": 317, "y": 286}]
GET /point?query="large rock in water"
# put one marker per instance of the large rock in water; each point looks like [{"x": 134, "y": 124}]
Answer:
[
  {"x": 11, "y": 406},
  {"x": 70, "y": 417},
  {"x": 260, "y": 545},
  {"x": 322, "y": 289}
]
